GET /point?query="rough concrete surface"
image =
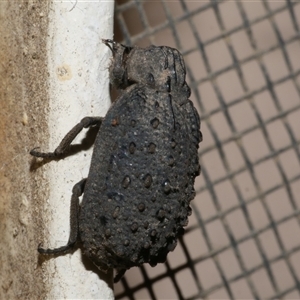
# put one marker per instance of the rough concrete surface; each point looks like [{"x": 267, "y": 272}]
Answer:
[{"x": 23, "y": 83}]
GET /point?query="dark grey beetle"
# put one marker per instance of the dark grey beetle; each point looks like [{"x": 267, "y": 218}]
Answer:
[{"x": 136, "y": 198}]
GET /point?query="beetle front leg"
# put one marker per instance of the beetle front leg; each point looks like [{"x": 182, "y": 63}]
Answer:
[
  {"x": 77, "y": 191},
  {"x": 68, "y": 139}
]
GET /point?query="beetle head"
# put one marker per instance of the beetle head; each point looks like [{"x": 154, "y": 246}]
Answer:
[
  {"x": 159, "y": 67},
  {"x": 117, "y": 70}
]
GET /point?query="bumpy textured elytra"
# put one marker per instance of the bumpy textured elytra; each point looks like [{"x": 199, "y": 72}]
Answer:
[{"x": 137, "y": 195}]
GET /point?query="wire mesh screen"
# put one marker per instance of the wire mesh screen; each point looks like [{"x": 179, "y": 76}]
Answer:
[{"x": 243, "y": 67}]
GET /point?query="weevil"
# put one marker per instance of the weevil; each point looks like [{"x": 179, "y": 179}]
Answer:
[{"x": 136, "y": 198}]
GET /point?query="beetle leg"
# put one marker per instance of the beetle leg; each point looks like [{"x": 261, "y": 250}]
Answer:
[
  {"x": 74, "y": 226},
  {"x": 68, "y": 139}
]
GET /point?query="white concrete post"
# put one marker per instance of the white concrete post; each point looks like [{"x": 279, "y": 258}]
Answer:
[{"x": 78, "y": 74}]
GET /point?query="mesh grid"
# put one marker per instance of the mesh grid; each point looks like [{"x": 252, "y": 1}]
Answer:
[{"x": 243, "y": 66}]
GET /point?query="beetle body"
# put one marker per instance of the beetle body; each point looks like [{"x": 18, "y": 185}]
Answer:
[
  {"x": 136, "y": 198},
  {"x": 137, "y": 195}
]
